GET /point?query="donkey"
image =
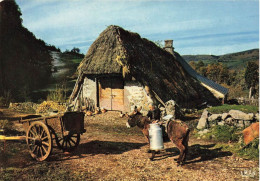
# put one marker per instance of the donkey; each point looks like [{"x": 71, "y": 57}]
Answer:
[{"x": 177, "y": 131}]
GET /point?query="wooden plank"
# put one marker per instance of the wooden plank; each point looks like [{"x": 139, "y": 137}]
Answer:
[
  {"x": 111, "y": 93},
  {"x": 117, "y": 94},
  {"x": 105, "y": 94},
  {"x": 40, "y": 118},
  {"x": 12, "y": 137}
]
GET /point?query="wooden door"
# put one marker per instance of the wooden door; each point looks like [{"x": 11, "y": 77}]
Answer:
[{"x": 111, "y": 93}]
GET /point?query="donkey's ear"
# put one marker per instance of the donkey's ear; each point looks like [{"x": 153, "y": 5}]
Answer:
[
  {"x": 139, "y": 108},
  {"x": 135, "y": 110}
]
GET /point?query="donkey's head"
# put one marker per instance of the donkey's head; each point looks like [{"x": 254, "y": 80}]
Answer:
[{"x": 134, "y": 117}]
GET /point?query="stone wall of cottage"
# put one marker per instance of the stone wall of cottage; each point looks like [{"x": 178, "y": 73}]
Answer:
[
  {"x": 90, "y": 90},
  {"x": 134, "y": 95}
]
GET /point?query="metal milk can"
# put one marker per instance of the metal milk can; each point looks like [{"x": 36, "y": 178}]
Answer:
[{"x": 156, "y": 138}]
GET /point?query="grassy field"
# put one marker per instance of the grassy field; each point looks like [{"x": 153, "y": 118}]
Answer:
[{"x": 64, "y": 78}]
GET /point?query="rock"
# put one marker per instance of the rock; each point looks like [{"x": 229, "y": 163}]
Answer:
[
  {"x": 229, "y": 121},
  {"x": 214, "y": 117},
  {"x": 163, "y": 111},
  {"x": 250, "y": 116},
  {"x": 224, "y": 116},
  {"x": 221, "y": 123},
  {"x": 89, "y": 113},
  {"x": 103, "y": 110},
  {"x": 247, "y": 123},
  {"x": 257, "y": 116},
  {"x": 172, "y": 108},
  {"x": 236, "y": 114},
  {"x": 203, "y": 120},
  {"x": 240, "y": 124},
  {"x": 203, "y": 132},
  {"x": 251, "y": 132}
]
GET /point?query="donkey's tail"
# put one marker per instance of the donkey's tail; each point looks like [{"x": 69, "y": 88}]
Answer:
[{"x": 186, "y": 137}]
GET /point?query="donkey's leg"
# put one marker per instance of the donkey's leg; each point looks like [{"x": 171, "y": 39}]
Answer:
[
  {"x": 185, "y": 143},
  {"x": 153, "y": 155},
  {"x": 181, "y": 147},
  {"x": 146, "y": 136}
]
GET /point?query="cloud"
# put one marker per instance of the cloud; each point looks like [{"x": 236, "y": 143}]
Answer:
[
  {"x": 217, "y": 50},
  {"x": 70, "y": 23}
]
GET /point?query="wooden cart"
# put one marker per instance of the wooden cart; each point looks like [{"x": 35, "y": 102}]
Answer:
[{"x": 64, "y": 128}]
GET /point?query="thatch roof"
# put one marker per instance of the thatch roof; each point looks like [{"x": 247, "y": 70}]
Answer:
[
  {"x": 117, "y": 51},
  {"x": 201, "y": 78}
]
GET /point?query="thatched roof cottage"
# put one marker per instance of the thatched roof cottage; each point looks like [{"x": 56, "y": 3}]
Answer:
[{"x": 121, "y": 70}]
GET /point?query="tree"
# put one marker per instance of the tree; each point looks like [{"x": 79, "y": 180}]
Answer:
[
  {"x": 158, "y": 43},
  {"x": 199, "y": 65},
  {"x": 75, "y": 50},
  {"x": 252, "y": 78},
  {"x": 193, "y": 64}
]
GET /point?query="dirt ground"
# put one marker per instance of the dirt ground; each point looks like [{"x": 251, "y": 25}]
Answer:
[{"x": 110, "y": 151}]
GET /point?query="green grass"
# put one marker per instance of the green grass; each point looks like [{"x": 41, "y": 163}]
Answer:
[
  {"x": 225, "y": 133},
  {"x": 77, "y": 60},
  {"x": 226, "y": 108},
  {"x": 229, "y": 138},
  {"x": 251, "y": 151}
]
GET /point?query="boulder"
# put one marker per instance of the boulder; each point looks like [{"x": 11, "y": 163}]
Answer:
[
  {"x": 257, "y": 116},
  {"x": 221, "y": 123},
  {"x": 247, "y": 123},
  {"x": 240, "y": 124},
  {"x": 224, "y": 116},
  {"x": 229, "y": 121},
  {"x": 214, "y": 117},
  {"x": 202, "y": 132},
  {"x": 163, "y": 111},
  {"x": 172, "y": 108},
  {"x": 236, "y": 114},
  {"x": 251, "y": 117},
  {"x": 203, "y": 120},
  {"x": 251, "y": 132}
]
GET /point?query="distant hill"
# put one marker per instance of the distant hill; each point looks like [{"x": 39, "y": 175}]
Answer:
[
  {"x": 25, "y": 62},
  {"x": 233, "y": 61}
]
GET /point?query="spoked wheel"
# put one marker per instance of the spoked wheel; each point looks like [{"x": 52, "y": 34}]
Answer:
[
  {"x": 39, "y": 140},
  {"x": 68, "y": 142}
]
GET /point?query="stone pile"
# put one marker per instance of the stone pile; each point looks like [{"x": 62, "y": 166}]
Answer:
[
  {"x": 232, "y": 118},
  {"x": 171, "y": 108}
]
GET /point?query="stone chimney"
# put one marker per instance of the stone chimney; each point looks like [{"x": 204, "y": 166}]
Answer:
[{"x": 168, "y": 46}]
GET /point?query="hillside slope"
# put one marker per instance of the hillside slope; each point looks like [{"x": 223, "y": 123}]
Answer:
[
  {"x": 25, "y": 63},
  {"x": 232, "y": 61}
]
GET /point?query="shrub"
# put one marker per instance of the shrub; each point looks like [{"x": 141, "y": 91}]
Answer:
[
  {"x": 250, "y": 151},
  {"x": 58, "y": 95},
  {"x": 6, "y": 98},
  {"x": 5, "y": 124}
]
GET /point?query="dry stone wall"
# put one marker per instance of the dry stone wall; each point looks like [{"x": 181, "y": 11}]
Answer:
[{"x": 232, "y": 118}]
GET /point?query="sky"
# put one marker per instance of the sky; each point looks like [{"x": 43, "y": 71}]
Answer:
[{"x": 214, "y": 27}]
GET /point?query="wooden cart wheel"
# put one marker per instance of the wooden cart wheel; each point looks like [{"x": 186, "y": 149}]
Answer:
[
  {"x": 39, "y": 140},
  {"x": 69, "y": 142}
]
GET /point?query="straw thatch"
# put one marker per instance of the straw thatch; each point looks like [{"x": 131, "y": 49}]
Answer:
[{"x": 117, "y": 51}]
